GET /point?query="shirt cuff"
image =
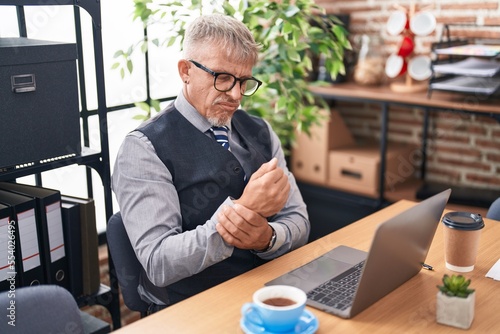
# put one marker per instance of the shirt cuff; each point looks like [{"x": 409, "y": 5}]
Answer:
[
  {"x": 278, "y": 241},
  {"x": 214, "y": 221},
  {"x": 227, "y": 202}
]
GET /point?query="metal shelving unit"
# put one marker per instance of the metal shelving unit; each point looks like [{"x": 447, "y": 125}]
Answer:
[{"x": 92, "y": 159}]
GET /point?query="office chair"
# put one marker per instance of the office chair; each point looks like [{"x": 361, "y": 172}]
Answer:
[
  {"x": 126, "y": 264},
  {"x": 494, "y": 210},
  {"x": 40, "y": 309}
]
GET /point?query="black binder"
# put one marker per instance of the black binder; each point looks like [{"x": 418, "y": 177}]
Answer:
[
  {"x": 9, "y": 250},
  {"x": 50, "y": 230},
  {"x": 90, "y": 256},
  {"x": 23, "y": 209},
  {"x": 72, "y": 235}
]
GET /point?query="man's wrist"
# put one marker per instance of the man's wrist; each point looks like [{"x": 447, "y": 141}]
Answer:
[{"x": 272, "y": 241}]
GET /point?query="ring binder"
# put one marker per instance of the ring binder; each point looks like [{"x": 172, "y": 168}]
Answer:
[
  {"x": 73, "y": 243},
  {"x": 28, "y": 246},
  {"x": 9, "y": 252},
  {"x": 50, "y": 229},
  {"x": 90, "y": 257}
]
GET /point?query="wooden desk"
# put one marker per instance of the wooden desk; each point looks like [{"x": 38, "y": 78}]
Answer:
[{"x": 408, "y": 309}]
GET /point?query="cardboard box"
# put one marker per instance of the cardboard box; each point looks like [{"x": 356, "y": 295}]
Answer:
[
  {"x": 357, "y": 168},
  {"x": 309, "y": 159}
]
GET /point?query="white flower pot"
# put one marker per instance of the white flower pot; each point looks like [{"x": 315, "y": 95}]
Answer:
[{"x": 455, "y": 311}]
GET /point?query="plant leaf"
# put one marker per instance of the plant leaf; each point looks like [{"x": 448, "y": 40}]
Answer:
[{"x": 143, "y": 105}]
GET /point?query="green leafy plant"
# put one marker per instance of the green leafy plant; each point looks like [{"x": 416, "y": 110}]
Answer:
[
  {"x": 455, "y": 286},
  {"x": 293, "y": 33}
]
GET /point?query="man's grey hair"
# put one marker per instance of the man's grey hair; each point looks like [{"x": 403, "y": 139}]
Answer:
[{"x": 223, "y": 32}]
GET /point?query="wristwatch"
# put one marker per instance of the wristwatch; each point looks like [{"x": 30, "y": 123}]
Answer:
[{"x": 272, "y": 241}]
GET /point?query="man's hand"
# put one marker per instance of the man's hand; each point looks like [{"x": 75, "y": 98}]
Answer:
[
  {"x": 267, "y": 190},
  {"x": 243, "y": 228}
]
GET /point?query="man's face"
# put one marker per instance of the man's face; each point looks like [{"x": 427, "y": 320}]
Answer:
[{"x": 217, "y": 107}]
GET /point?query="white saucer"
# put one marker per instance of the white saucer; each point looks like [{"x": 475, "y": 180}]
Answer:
[{"x": 308, "y": 324}]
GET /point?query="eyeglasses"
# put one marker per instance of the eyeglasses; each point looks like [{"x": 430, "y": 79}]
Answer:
[{"x": 224, "y": 82}]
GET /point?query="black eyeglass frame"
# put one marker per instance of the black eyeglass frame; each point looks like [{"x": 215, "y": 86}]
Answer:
[{"x": 236, "y": 79}]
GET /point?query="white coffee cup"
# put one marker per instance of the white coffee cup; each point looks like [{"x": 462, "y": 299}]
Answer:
[
  {"x": 397, "y": 23},
  {"x": 419, "y": 68},
  {"x": 395, "y": 66},
  {"x": 422, "y": 23}
]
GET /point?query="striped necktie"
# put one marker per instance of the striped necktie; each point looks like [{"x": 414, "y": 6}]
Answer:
[{"x": 220, "y": 134}]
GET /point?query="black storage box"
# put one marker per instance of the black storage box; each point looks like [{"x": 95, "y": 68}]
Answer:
[{"x": 39, "y": 109}]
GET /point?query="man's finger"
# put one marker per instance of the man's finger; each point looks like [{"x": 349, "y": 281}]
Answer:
[{"x": 265, "y": 168}]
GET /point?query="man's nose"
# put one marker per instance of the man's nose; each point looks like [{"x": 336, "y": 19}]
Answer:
[{"x": 235, "y": 92}]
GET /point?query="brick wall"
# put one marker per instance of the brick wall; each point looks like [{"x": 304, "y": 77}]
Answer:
[{"x": 463, "y": 149}]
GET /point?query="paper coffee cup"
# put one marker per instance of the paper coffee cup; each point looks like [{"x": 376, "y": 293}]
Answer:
[{"x": 462, "y": 231}]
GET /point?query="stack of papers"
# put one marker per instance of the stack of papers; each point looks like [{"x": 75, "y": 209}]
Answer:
[
  {"x": 471, "y": 66},
  {"x": 474, "y": 85},
  {"x": 471, "y": 50},
  {"x": 494, "y": 272}
]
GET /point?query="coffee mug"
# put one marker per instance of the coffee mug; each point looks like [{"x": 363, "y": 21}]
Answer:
[
  {"x": 419, "y": 68},
  {"x": 395, "y": 66},
  {"x": 405, "y": 47},
  {"x": 397, "y": 23},
  {"x": 276, "y": 308},
  {"x": 423, "y": 23}
]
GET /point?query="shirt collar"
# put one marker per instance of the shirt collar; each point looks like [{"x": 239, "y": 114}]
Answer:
[{"x": 191, "y": 114}]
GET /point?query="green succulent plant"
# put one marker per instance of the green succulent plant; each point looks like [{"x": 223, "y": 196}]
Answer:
[{"x": 455, "y": 286}]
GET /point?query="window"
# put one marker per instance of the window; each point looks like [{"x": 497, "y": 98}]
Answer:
[{"x": 57, "y": 23}]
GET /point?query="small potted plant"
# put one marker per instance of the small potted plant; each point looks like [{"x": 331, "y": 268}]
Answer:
[{"x": 455, "y": 302}]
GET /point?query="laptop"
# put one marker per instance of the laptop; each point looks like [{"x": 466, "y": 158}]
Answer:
[{"x": 345, "y": 281}]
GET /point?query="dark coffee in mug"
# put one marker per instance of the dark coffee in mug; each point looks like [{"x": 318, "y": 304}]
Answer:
[{"x": 279, "y": 301}]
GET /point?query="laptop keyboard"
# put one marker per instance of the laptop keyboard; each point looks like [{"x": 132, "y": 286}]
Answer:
[{"x": 338, "y": 292}]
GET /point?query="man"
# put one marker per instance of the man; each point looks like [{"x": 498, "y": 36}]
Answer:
[{"x": 201, "y": 208}]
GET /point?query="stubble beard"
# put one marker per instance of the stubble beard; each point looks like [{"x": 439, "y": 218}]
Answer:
[{"x": 220, "y": 117}]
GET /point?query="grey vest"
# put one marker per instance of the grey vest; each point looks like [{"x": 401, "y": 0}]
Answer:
[{"x": 205, "y": 174}]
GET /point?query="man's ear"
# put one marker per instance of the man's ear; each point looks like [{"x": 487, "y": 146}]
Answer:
[{"x": 183, "y": 67}]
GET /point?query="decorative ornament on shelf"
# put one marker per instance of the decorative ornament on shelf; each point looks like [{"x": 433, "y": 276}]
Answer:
[
  {"x": 369, "y": 69},
  {"x": 409, "y": 24}
]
